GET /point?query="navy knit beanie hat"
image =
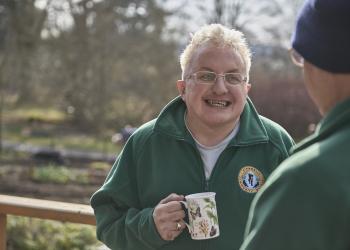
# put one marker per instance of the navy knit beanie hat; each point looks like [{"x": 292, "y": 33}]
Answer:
[{"x": 322, "y": 34}]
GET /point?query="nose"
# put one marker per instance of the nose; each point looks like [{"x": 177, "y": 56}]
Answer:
[{"x": 219, "y": 87}]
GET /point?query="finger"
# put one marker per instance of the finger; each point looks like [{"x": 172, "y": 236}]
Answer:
[
  {"x": 177, "y": 215},
  {"x": 166, "y": 229},
  {"x": 183, "y": 225},
  {"x": 171, "y": 235},
  {"x": 172, "y": 197},
  {"x": 170, "y": 230},
  {"x": 167, "y": 220},
  {"x": 172, "y": 206},
  {"x": 180, "y": 225},
  {"x": 168, "y": 211}
]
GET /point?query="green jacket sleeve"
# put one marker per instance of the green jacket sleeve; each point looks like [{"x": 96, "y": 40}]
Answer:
[
  {"x": 296, "y": 210},
  {"x": 121, "y": 223}
]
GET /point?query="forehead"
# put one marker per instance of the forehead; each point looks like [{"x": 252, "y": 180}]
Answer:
[{"x": 217, "y": 59}]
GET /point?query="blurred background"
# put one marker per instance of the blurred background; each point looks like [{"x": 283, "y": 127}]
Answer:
[{"x": 76, "y": 74}]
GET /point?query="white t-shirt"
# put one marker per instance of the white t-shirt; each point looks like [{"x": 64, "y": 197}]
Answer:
[{"x": 211, "y": 154}]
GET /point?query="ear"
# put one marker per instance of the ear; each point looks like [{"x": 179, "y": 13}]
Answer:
[
  {"x": 248, "y": 86},
  {"x": 181, "y": 87}
]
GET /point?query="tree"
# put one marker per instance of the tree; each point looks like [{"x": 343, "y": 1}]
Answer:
[
  {"x": 23, "y": 23},
  {"x": 111, "y": 55}
]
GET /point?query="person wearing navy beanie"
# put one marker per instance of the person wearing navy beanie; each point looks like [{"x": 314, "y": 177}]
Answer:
[
  {"x": 305, "y": 203},
  {"x": 322, "y": 34}
]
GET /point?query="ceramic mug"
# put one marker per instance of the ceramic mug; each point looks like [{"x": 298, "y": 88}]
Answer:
[{"x": 201, "y": 215}]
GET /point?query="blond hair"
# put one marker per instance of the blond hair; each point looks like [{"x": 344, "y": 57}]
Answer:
[{"x": 219, "y": 36}]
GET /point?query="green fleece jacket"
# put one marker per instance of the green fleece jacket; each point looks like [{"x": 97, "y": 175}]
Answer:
[
  {"x": 305, "y": 204},
  {"x": 161, "y": 158}
]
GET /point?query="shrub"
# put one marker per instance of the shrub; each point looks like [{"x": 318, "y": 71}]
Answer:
[
  {"x": 36, "y": 234},
  {"x": 58, "y": 175}
]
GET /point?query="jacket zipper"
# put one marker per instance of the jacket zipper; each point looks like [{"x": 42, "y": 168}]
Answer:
[
  {"x": 206, "y": 185},
  {"x": 206, "y": 182},
  {"x": 203, "y": 244}
]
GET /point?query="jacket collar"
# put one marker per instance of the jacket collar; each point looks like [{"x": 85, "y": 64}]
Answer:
[
  {"x": 335, "y": 120},
  {"x": 171, "y": 122}
]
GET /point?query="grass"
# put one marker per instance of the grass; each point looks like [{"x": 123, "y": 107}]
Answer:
[
  {"x": 49, "y": 115},
  {"x": 50, "y": 128},
  {"x": 36, "y": 234},
  {"x": 4, "y": 171},
  {"x": 98, "y": 165},
  {"x": 12, "y": 155},
  {"x": 59, "y": 175}
]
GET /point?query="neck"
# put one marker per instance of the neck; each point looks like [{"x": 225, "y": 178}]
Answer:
[
  {"x": 209, "y": 136},
  {"x": 337, "y": 91}
]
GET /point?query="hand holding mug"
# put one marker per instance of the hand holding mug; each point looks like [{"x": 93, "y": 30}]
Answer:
[{"x": 168, "y": 217}]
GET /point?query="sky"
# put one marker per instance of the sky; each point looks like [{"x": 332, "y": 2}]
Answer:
[{"x": 265, "y": 19}]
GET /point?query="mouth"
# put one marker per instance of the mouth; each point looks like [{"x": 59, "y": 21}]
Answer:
[{"x": 217, "y": 103}]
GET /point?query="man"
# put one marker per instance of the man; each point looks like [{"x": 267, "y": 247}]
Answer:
[
  {"x": 305, "y": 203},
  {"x": 210, "y": 138}
]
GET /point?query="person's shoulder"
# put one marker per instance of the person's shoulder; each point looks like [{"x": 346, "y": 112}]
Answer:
[
  {"x": 338, "y": 140},
  {"x": 297, "y": 170},
  {"x": 303, "y": 159},
  {"x": 144, "y": 131},
  {"x": 139, "y": 138},
  {"x": 299, "y": 177},
  {"x": 276, "y": 133},
  {"x": 319, "y": 161},
  {"x": 327, "y": 150},
  {"x": 272, "y": 126}
]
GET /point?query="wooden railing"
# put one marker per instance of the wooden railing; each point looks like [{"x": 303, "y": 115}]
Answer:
[{"x": 44, "y": 209}]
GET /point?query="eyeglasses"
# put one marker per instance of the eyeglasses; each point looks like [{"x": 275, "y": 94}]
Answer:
[
  {"x": 297, "y": 59},
  {"x": 208, "y": 77}
]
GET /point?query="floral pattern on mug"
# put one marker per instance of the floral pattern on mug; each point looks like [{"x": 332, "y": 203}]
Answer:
[
  {"x": 211, "y": 210},
  {"x": 204, "y": 227}
]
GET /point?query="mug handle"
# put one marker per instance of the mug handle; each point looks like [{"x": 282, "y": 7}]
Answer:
[{"x": 186, "y": 219}]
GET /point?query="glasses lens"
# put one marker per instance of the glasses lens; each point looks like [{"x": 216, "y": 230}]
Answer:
[
  {"x": 205, "y": 77},
  {"x": 233, "y": 78},
  {"x": 296, "y": 58}
]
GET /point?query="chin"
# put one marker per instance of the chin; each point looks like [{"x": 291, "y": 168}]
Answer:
[{"x": 219, "y": 121}]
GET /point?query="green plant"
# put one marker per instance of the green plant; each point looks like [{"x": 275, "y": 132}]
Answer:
[
  {"x": 37, "y": 114},
  {"x": 59, "y": 175},
  {"x": 82, "y": 178},
  {"x": 7, "y": 154},
  {"x": 99, "y": 165},
  {"x": 51, "y": 127},
  {"x": 36, "y": 234},
  {"x": 4, "y": 171}
]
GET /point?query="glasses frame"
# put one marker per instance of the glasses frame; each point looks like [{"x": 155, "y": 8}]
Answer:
[
  {"x": 194, "y": 76},
  {"x": 296, "y": 58}
]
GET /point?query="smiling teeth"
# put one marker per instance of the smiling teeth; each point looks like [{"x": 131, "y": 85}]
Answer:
[{"x": 217, "y": 103}]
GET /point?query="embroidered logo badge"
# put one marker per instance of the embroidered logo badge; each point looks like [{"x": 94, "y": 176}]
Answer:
[{"x": 250, "y": 179}]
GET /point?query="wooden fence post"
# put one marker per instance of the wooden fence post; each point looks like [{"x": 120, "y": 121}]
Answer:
[{"x": 2, "y": 231}]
